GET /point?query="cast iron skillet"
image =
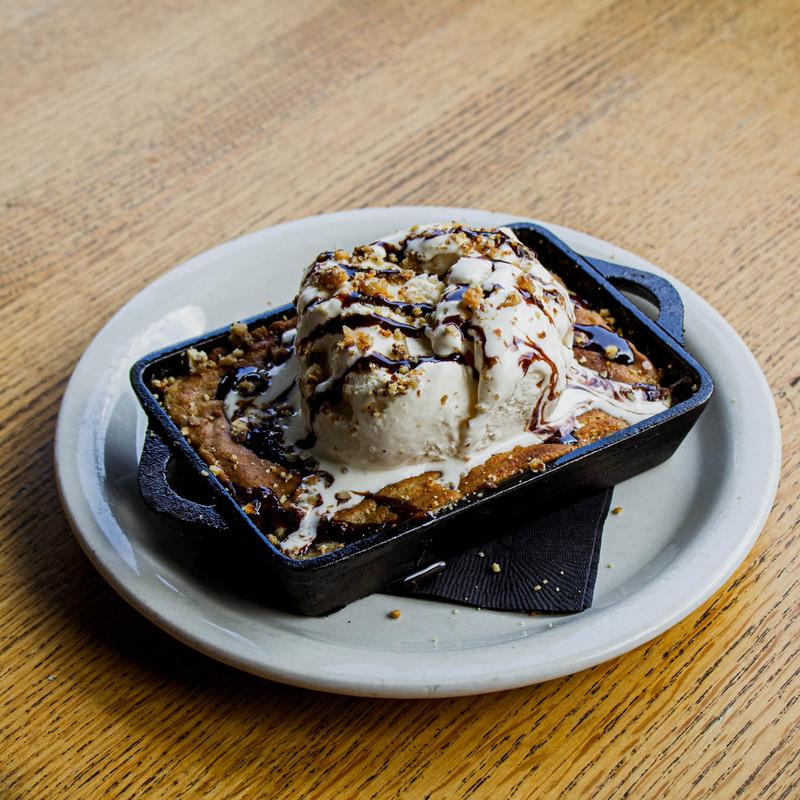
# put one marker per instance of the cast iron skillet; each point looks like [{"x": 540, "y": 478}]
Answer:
[{"x": 174, "y": 480}]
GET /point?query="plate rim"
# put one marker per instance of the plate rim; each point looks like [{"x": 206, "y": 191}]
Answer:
[{"x": 409, "y": 686}]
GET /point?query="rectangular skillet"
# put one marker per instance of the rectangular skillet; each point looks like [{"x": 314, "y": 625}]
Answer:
[{"x": 175, "y": 482}]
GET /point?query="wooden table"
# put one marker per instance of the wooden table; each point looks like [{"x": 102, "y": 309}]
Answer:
[{"x": 135, "y": 135}]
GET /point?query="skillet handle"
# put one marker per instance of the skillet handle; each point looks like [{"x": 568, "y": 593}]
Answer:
[
  {"x": 161, "y": 497},
  {"x": 650, "y": 287}
]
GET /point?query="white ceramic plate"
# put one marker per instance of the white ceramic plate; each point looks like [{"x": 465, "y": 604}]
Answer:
[{"x": 685, "y": 525}]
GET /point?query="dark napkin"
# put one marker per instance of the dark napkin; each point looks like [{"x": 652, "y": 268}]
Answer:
[{"x": 556, "y": 550}]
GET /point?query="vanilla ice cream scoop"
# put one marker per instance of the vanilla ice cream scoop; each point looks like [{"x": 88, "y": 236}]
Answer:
[{"x": 434, "y": 343}]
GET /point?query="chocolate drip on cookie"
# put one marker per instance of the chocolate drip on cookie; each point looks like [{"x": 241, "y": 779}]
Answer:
[{"x": 603, "y": 340}]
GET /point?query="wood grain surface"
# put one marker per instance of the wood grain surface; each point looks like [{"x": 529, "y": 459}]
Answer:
[{"x": 134, "y": 135}]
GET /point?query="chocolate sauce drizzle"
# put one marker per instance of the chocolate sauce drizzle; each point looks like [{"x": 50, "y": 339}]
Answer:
[
  {"x": 231, "y": 381},
  {"x": 466, "y": 327},
  {"x": 397, "y": 305},
  {"x": 536, "y": 353},
  {"x": 333, "y": 394},
  {"x": 265, "y": 438},
  {"x": 532, "y": 300},
  {"x": 652, "y": 392},
  {"x": 599, "y": 338},
  {"x": 266, "y": 441},
  {"x": 556, "y": 434},
  {"x": 350, "y": 298},
  {"x": 356, "y": 269},
  {"x": 454, "y": 295},
  {"x": 267, "y": 511},
  {"x": 519, "y": 249},
  {"x": 336, "y": 324}
]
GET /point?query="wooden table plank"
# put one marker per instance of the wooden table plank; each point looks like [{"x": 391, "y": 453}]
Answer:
[{"x": 136, "y": 135}]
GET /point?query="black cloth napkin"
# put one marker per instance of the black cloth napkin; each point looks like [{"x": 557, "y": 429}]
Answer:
[{"x": 547, "y": 561}]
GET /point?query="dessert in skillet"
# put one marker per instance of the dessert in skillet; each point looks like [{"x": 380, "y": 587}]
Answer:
[{"x": 418, "y": 369}]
